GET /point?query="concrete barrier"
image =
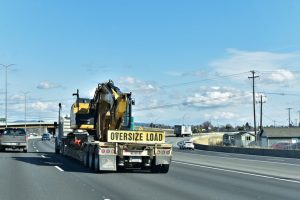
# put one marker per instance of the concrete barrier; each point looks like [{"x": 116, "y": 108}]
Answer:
[{"x": 251, "y": 151}]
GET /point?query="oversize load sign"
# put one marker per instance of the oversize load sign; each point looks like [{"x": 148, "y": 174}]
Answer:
[{"x": 136, "y": 137}]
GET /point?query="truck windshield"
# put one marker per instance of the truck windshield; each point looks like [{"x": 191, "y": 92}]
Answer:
[{"x": 14, "y": 132}]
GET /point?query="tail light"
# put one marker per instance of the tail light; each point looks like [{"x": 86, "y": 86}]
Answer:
[{"x": 163, "y": 151}]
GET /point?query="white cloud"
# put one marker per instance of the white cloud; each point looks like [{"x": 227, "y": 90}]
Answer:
[
  {"x": 282, "y": 75},
  {"x": 187, "y": 73},
  {"x": 47, "y": 85},
  {"x": 217, "y": 96},
  {"x": 44, "y": 106},
  {"x": 17, "y": 97},
  {"x": 238, "y": 61},
  {"x": 135, "y": 85},
  {"x": 221, "y": 115}
]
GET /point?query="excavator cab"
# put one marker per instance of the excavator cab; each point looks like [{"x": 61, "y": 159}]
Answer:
[{"x": 81, "y": 118}]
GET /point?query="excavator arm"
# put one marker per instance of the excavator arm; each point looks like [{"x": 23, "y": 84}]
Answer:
[{"x": 111, "y": 109}]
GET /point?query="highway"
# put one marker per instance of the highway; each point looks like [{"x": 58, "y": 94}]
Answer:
[{"x": 41, "y": 174}]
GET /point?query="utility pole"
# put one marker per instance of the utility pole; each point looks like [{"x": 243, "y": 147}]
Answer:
[
  {"x": 25, "y": 106},
  {"x": 274, "y": 123},
  {"x": 6, "y": 67},
  {"x": 253, "y": 77},
  {"x": 261, "y": 101},
  {"x": 289, "y": 109},
  {"x": 299, "y": 118}
]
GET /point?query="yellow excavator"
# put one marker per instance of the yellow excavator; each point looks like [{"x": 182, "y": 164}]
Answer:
[{"x": 103, "y": 135}]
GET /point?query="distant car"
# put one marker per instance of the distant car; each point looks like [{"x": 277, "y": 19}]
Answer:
[
  {"x": 281, "y": 145},
  {"x": 46, "y": 136},
  {"x": 292, "y": 146},
  {"x": 187, "y": 145}
]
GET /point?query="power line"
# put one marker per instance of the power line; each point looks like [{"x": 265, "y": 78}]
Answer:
[
  {"x": 281, "y": 93},
  {"x": 208, "y": 79},
  {"x": 182, "y": 104},
  {"x": 194, "y": 82}
]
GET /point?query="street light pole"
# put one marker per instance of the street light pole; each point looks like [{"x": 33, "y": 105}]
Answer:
[
  {"x": 25, "y": 101},
  {"x": 6, "y": 67}
]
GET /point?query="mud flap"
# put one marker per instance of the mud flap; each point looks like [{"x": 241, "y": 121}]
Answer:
[
  {"x": 108, "y": 162},
  {"x": 162, "y": 160}
]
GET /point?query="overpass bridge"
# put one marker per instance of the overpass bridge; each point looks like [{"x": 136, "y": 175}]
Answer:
[{"x": 31, "y": 127}]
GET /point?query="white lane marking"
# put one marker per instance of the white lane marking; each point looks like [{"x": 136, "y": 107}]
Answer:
[
  {"x": 43, "y": 156},
  {"x": 106, "y": 199},
  {"x": 238, "y": 172},
  {"x": 34, "y": 147},
  {"x": 60, "y": 169},
  {"x": 37, "y": 150},
  {"x": 263, "y": 161}
]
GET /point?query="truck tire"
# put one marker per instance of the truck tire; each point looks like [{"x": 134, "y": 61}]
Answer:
[
  {"x": 62, "y": 148},
  {"x": 96, "y": 160},
  {"x": 164, "y": 169},
  {"x": 86, "y": 159},
  {"x": 2, "y": 149},
  {"x": 154, "y": 168},
  {"x": 57, "y": 151},
  {"x": 91, "y": 158},
  {"x": 25, "y": 150}
]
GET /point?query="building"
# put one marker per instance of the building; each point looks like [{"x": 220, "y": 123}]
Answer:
[
  {"x": 238, "y": 139},
  {"x": 271, "y": 136}
]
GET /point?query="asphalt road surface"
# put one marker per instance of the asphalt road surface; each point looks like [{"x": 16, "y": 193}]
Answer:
[{"x": 41, "y": 174}]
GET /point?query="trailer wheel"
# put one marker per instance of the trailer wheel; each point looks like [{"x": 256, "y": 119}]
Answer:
[
  {"x": 25, "y": 150},
  {"x": 91, "y": 158},
  {"x": 86, "y": 159},
  {"x": 164, "y": 169},
  {"x": 62, "y": 148},
  {"x": 154, "y": 168},
  {"x": 96, "y": 160}
]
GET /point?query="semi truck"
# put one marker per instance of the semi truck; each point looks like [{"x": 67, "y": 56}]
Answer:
[
  {"x": 101, "y": 134},
  {"x": 183, "y": 130}
]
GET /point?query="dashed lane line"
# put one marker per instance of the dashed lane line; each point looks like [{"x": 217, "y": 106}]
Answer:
[{"x": 60, "y": 169}]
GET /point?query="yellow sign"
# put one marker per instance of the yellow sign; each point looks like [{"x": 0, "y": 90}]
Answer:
[{"x": 144, "y": 137}]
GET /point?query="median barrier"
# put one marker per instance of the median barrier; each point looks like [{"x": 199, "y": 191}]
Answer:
[{"x": 251, "y": 151}]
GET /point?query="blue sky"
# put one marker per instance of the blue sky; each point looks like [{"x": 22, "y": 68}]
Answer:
[{"x": 151, "y": 48}]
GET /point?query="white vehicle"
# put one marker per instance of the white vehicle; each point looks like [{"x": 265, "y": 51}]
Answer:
[
  {"x": 183, "y": 130},
  {"x": 187, "y": 145}
]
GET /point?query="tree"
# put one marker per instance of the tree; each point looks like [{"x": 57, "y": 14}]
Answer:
[
  {"x": 228, "y": 127},
  {"x": 247, "y": 126},
  {"x": 207, "y": 125}
]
